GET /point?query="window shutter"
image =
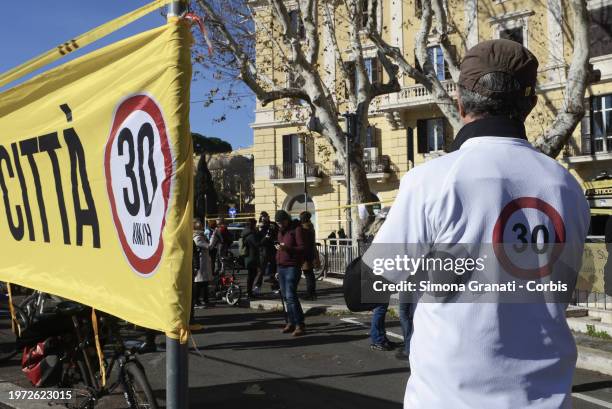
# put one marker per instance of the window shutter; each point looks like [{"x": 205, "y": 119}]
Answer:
[
  {"x": 310, "y": 149},
  {"x": 370, "y": 137},
  {"x": 287, "y": 148},
  {"x": 585, "y": 129},
  {"x": 350, "y": 70},
  {"x": 421, "y": 136},
  {"x": 447, "y": 130},
  {"x": 410, "y": 145},
  {"x": 600, "y": 36},
  {"x": 378, "y": 71}
]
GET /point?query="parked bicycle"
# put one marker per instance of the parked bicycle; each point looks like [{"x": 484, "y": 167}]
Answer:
[
  {"x": 60, "y": 351},
  {"x": 227, "y": 286}
]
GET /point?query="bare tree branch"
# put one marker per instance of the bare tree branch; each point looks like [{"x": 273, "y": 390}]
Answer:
[
  {"x": 442, "y": 31},
  {"x": 248, "y": 72},
  {"x": 558, "y": 134},
  {"x": 361, "y": 76},
  {"x": 427, "y": 77},
  {"x": 310, "y": 17}
]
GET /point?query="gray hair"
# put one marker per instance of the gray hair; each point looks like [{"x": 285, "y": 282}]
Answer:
[{"x": 483, "y": 106}]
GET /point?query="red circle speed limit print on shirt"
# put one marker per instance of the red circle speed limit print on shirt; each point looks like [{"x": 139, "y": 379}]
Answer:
[
  {"x": 528, "y": 230},
  {"x": 138, "y": 168}
]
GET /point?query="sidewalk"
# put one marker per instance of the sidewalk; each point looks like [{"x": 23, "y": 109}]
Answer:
[{"x": 594, "y": 353}]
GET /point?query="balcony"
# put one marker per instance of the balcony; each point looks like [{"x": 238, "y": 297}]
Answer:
[
  {"x": 574, "y": 156},
  {"x": 378, "y": 169},
  {"x": 290, "y": 173},
  {"x": 410, "y": 96}
]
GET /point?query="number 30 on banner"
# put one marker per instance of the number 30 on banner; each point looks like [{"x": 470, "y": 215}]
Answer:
[{"x": 138, "y": 167}]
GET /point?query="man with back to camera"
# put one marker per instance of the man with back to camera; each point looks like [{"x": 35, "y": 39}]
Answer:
[{"x": 490, "y": 355}]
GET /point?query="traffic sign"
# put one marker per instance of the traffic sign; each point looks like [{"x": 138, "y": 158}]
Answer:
[
  {"x": 232, "y": 212},
  {"x": 546, "y": 236},
  {"x": 138, "y": 165}
]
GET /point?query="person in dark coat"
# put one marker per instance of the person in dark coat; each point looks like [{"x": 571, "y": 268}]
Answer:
[
  {"x": 251, "y": 240},
  {"x": 289, "y": 258},
  {"x": 268, "y": 232},
  {"x": 309, "y": 255}
]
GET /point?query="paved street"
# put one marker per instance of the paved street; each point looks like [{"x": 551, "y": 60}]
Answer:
[{"x": 247, "y": 362}]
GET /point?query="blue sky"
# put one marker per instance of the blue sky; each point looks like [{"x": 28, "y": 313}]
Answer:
[{"x": 28, "y": 29}]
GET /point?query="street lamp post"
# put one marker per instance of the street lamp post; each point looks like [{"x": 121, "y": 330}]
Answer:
[
  {"x": 177, "y": 373},
  {"x": 304, "y": 170},
  {"x": 349, "y": 135}
]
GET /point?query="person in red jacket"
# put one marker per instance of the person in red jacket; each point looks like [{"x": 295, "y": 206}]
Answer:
[{"x": 289, "y": 259}]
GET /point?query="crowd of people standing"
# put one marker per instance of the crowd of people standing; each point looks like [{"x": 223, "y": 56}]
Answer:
[{"x": 277, "y": 252}]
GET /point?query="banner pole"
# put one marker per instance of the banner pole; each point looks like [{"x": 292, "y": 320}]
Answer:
[
  {"x": 177, "y": 358},
  {"x": 177, "y": 377}
]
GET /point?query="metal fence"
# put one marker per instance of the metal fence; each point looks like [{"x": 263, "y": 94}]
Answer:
[
  {"x": 294, "y": 170},
  {"x": 592, "y": 299},
  {"x": 337, "y": 254},
  {"x": 381, "y": 164}
]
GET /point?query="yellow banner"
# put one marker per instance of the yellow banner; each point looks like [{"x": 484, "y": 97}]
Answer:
[{"x": 96, "y": 180}]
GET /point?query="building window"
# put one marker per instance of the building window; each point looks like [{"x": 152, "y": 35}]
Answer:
[
  {"x": 373, "y": 70},
  {"x": 369, "y": 139},
  {"x": 296, "y": 23},
  {"x": 436, "y": 57},
  {"x": 600, "y": 31},
  {"x": 365, "y": 15},
  {"x": 601, "y": 123},
  {"x": 512, "y": 26},
  {"x": 513, "y": 34},
  {"x": 430, "y": 135},
  {"x": 418, "y": 8},
  {"x": 293, "y": 149}
]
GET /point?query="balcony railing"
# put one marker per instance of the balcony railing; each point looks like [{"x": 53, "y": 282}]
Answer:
[
  {"x": 295, "y": 171},
  {"x": 413, "y": 95},
  {"x": 379, "y": 165}
]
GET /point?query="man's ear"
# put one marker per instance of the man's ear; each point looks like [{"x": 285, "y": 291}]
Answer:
[{"x": 460, "y": 106}]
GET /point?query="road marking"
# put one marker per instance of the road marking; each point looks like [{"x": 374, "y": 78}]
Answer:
[
  {"x": 361, "y": 324},
  {"x": 595, "y": 401}
]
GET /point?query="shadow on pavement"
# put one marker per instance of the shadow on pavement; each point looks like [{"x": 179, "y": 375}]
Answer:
[
  {"x": 592, "y": 386},
  {"x": 282, "y": 394}
]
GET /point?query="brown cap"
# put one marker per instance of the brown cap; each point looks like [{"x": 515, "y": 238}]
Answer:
[{"x": 499, "y": 56}]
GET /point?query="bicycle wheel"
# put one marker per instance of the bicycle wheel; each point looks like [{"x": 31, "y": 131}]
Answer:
[
  {"x": 233, "y": 294},
  {"x": 76, "y": 377},
  {"x": 137, "y": 388}
]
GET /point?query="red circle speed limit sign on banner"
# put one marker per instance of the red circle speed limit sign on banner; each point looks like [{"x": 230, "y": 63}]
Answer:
[
  {"x": 534, "y": 231},
  {"x": 138, "y": 167}
]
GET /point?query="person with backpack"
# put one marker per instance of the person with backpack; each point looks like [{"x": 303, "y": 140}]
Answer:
[
  {"x": 289, "y": 259},
  {"x": 248, "y": 247},
  {"x": 310, "y": 253},
  {"x": 202, "y": 268}
]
